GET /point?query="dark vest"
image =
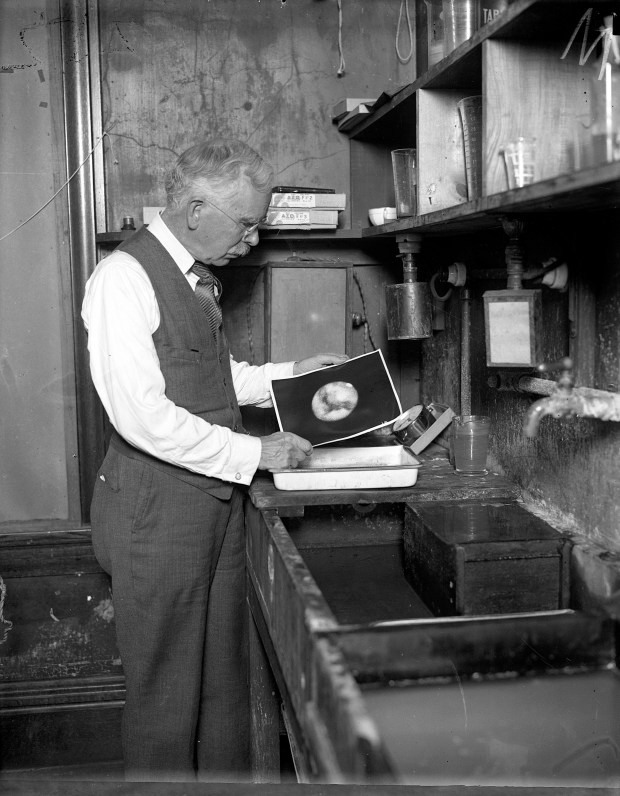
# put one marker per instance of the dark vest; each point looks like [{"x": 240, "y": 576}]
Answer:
[{"x": 195, "y": 366}]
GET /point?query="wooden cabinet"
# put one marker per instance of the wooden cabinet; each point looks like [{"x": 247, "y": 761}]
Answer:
[
  {"x": 307, "y": 309},
  {"x": 532, "y": 84}
]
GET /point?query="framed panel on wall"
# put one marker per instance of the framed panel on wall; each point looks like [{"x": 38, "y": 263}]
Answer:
[{"x": 307, "y": 309}]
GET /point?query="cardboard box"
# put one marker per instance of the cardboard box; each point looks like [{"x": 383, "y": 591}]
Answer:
[
  {"x": 301, "y": 201},
  {"x": 305, "y": 217}
]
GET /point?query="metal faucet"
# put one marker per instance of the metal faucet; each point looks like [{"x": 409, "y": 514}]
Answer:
[{"x": 567, "y": 401}]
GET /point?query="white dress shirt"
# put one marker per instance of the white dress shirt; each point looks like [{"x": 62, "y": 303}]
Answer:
[{"x": 120, "y": 313}]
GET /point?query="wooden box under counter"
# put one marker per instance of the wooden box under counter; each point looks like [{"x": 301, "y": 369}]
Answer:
[
  {"x": 485, "y": 558},
  {"x": 62, "y": 686}
]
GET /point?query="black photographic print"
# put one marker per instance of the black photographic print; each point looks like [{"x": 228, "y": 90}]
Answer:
[{"x": 337, "y": 402}]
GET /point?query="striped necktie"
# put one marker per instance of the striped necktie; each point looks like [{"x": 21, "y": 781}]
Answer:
[{"x": 205, "y": 293}]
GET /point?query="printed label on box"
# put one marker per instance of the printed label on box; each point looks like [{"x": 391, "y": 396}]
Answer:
[
  {"x": 290, "y": 217},
  {"x": 298, "y": 199}
]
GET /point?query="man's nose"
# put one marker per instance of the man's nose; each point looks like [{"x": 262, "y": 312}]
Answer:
[{"x": 252, "y": 237}]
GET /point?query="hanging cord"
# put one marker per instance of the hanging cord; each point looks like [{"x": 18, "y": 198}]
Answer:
[
  {"x": 62, "y": 187},
  {"x": 341, "y": 65},
  {"x": 367, "y": 334},
  {"x": 4, "y": 632},
  {"x": 404, "y": 4}
]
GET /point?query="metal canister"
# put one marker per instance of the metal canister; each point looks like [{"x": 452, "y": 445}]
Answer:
[
  {"x": 409, "y": 311},
  {"x": 412, "y": 424}
]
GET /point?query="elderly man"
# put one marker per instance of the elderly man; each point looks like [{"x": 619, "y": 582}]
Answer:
[{"x": 167, "y": 518}]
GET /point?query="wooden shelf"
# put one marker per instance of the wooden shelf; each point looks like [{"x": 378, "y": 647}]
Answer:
[
  {"x": 437, "y": 481},
  {"x": 318, "y": 234},
  {"x": 113, "y": 237},
  {"x": 315, "y": 234},
  {"x": 502, "y": 62},
  {"x": 549, "y": 21},
  {"x": 591, "y": 189}
]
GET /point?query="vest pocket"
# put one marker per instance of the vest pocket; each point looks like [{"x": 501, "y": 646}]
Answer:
[
  {"x": 195, "y": 381},
  {"x": 190, "y": 355}
]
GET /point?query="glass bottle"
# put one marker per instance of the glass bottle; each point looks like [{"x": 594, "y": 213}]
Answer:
[{"x": 434, "y": 30}]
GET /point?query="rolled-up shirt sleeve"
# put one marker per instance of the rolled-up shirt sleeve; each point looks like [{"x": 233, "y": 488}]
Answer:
[
  {"x": 253, "y": 382},
  {"x": 120, "y": 314}
]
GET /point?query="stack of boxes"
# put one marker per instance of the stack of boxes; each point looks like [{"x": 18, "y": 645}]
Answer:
[{"x": 304, "y": 208}]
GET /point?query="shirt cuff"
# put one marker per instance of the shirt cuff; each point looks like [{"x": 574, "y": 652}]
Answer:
[{"x": 245, "y": 456}]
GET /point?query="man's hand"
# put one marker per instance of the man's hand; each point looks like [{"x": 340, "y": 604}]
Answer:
[
  {"x": 283, "y": 450},
  {"x": 318, "y": 361}
]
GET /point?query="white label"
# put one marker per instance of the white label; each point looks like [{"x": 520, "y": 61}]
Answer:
[
  {"x": 509, "y": 332},
  {"x": 297, "y": 199},
  {"x": 292, "y": 217}
]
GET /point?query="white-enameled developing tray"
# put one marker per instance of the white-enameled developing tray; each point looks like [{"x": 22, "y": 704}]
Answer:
[{"x": 352, "y": 468}]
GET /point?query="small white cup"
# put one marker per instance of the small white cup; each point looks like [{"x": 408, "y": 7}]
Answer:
[{"x": 381, "y": 215}]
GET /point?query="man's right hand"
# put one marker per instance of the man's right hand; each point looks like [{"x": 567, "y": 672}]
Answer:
[{"x": 283, "y": 450}]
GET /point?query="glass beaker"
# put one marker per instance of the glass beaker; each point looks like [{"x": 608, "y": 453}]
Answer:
[
  {"x": 605, "y": 102},
  {"x": 405, "y": 181},
  {"x": 470, "y": 112},
  {"x": 470, "y": 444},
  {"x": 520, "y": 160}
]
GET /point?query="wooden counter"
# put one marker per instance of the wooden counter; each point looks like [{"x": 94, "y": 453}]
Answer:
[
  {"x": 437, "y": 481},
  {"x": 337, "y": 629}
]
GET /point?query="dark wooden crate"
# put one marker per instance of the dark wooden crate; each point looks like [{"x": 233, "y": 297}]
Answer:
[
  {"x": 485, "y": 558},
  {"x": 62, "y": 686}
]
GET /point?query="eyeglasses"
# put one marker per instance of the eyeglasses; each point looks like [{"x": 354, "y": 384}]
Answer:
[{"x": 248, "y": 229}]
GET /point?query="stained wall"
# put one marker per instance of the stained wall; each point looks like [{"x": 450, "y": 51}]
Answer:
[
  {"x": 571, "y": 469},
  {"x": 265, "y": 71}
]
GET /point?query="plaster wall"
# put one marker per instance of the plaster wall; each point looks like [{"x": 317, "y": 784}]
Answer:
[{"x": 265, "y": 71}]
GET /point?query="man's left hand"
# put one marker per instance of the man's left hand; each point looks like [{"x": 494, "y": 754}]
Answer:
[{"x": 318, "y": 361}]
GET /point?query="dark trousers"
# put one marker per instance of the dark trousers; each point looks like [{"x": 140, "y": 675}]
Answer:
[{"x": 176, "y": 558}]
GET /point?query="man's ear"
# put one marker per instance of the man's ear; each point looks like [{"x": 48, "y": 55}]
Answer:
[{"x": 194, "y": 209}]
